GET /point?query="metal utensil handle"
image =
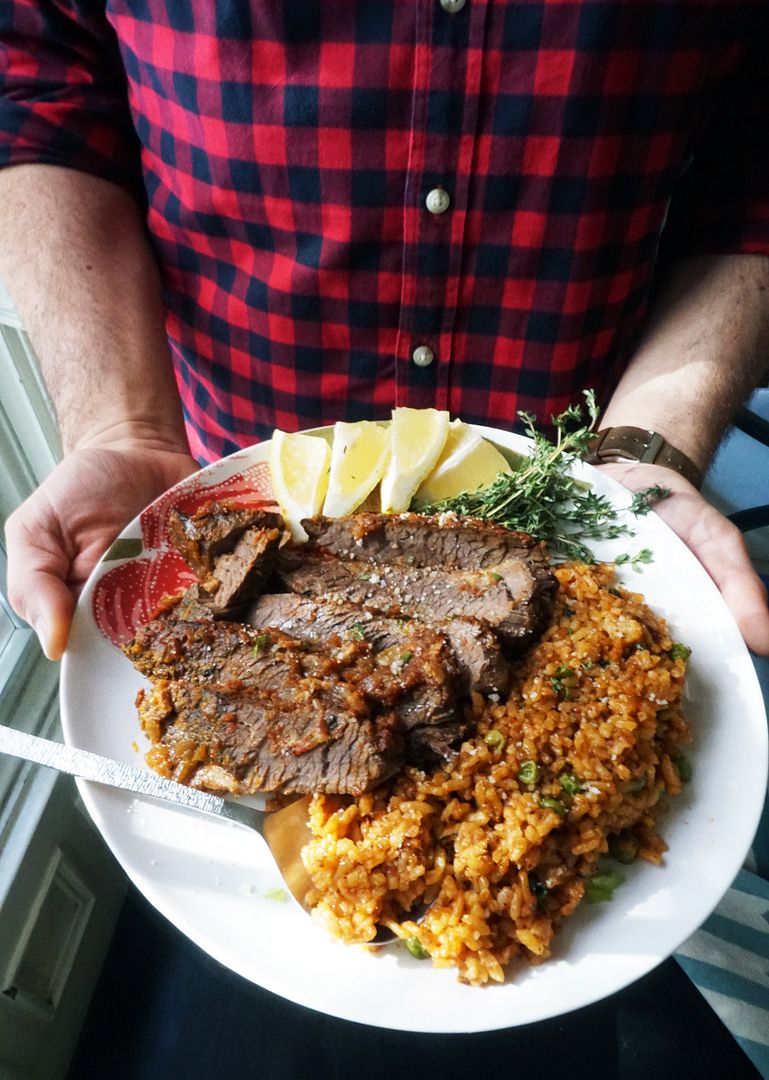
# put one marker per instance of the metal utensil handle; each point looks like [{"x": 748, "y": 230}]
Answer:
[{"x": 116, "y": 774}]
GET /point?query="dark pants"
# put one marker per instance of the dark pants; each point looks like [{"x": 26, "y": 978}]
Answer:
[{"x": 165, "y": 1009}]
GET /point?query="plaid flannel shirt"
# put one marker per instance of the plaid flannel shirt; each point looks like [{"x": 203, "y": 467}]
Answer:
[{"x": 412, "y": 202}]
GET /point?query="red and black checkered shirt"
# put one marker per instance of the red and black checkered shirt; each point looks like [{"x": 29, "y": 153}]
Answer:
[{"x": 421, "y": 202}]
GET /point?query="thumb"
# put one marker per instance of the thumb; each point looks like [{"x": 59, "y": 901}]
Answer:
[
  {"x": 50, "y": 613},
  {"x": 38, "y": 588}
]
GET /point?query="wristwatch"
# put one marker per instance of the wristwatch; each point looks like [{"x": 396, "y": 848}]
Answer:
[{"x": 640, "y": 444}]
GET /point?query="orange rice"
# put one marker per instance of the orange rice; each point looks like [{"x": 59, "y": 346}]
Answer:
[{"x": 595, "y": 706}]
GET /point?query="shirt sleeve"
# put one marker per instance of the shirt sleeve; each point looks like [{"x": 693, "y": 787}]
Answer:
[
  {"x": 63, "y": 97},
  {"x": 721, "y": 203}
]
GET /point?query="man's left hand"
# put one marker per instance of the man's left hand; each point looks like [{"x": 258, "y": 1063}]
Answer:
[{"x": 713, "y": 539}]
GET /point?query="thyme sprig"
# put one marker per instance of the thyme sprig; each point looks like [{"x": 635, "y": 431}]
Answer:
[{"x": 541, "y": 497}]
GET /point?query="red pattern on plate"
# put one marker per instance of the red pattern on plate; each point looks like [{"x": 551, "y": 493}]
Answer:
[{"x": 129, "y": 595}]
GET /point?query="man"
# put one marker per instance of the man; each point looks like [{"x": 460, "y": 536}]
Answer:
[
  {"x": 308, "y": 212},
  {"x": 347, "y": 207}
]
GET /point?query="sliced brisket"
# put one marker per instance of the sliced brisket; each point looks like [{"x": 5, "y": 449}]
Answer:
[
  {"x": 428, "y": 673},
  {"x": 232, "y": 550},
  {"x": 422, "y": 540},
  {"x": 512, "y": 598},
  {"x": 214, "y": 529},
  {"x": 262, "y": 698},
  {"x": 476, "y": 649}
]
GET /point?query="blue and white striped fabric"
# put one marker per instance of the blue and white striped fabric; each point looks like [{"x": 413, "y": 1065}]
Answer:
[
  {"x": 728, "y": 960},
  {"x": 728, "y": 957}
]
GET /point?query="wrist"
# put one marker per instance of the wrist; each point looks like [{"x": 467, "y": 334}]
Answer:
[{"x": 130, "y": 433}]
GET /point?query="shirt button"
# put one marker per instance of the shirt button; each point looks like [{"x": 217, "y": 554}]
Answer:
[
  {"x": 423, "y": 356},
  {"x": 437, "y": 201},
  {"x": 453, "y": 6}
]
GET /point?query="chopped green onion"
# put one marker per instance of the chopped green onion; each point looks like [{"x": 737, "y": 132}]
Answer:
[
  {"x": 417, "y": 949},
  {"x": 261, "y": 643},
  {"x": 405, "y": 656},
  {"x": 279, "y": 895},
  {"x": 623, "y": 847},
  {"x": 684, "y": 768},
  {"x": 494, "y": 739},
  {"x": 356, "y": 632},
  {"x": 553, "y": 804},
  {"x": 679, "y": 651},
  {"x": 528, "y": 772},
  {"x": 570, "y": 783},
  {"x": 537, "y": 888},
  {"x": 601, "y": 886}
]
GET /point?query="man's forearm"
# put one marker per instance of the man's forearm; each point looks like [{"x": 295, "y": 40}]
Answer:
[
  {"x": 705, "y": 348},
  {"x": 77, "y": 261}
]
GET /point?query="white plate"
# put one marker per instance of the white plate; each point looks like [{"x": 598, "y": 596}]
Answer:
[{"x": 211, "y": 879}]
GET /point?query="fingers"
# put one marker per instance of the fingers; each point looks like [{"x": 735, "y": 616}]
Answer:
[
  {"x": 715, "y": 541},
  {"x": 728, "y": 562}
]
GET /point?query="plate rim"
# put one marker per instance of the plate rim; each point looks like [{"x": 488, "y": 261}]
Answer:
[{"x": 154, "y": 892}]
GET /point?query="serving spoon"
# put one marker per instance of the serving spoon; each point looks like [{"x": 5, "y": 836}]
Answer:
[{"x": 285, "y": 831}]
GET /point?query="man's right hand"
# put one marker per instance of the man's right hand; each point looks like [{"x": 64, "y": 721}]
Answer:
[{"x": 57, "y": 536}]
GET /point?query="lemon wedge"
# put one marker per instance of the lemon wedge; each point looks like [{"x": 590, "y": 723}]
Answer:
[
  {"x": 359, "y": 456},
  {"x": 468, "y": 462},
  {"x": 417, "y": 438},
  {"x": 299, "y": 467}
]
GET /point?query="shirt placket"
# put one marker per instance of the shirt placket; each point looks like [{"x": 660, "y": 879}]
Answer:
[{"x": 439, "y": 175}]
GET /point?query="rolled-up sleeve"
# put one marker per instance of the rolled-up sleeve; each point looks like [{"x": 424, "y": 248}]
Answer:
[
  {"x": 63, "y": 98},
  {"x": 721, "y": 205}
]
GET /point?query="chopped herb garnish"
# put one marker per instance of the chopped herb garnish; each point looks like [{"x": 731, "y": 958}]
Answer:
[
  {"x": 528, "y": 772},
  {"x": 645, "y": 555},
  {"x": 280, "y": 896},
  {"x": 356, "y": 632},
  {"x": 365, "y": 576},
  {"x": 632, "y": 787},
  {"x": 615, "y": 592},
  {"x": 405, "y": 656},
  {"x": 642, "y": 501},
  {"x": 679, "y": 651},
  {"x": 494, "y": 739},
  {"x": 417, "y": 949},
  {"x": 540, "y": 496},
  {"x": 587, "y": 664},
  {"x": 601, "y": 886},
  {"x": 570, "y": 783},
  {"x": 260, "y": 644},
  {"x": 552, "y": 804},
  {"x": 537, "y": 889},
  {"x": 559, "y": 681},
  {"x": 683, "y": 768}
]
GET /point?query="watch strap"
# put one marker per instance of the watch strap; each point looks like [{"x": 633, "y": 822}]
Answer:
[{"x": 640, "y": 444}]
